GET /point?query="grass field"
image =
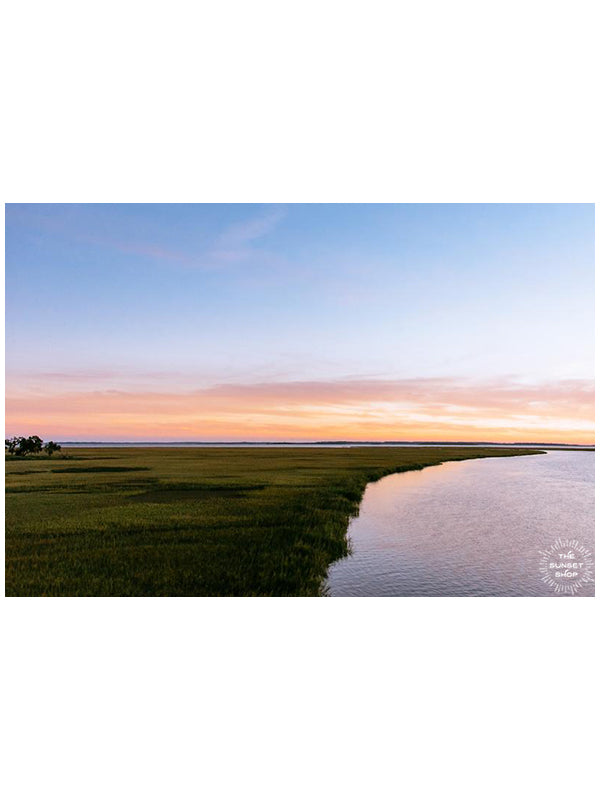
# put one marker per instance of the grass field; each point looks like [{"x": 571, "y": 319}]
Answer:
[{"x": 192, "y": 521}]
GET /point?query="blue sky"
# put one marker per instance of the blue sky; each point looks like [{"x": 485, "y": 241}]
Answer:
[{"x": 150, "y": 298}]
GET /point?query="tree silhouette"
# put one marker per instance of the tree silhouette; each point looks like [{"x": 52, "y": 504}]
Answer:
[
  {"x": 51, "y": 447},
  {"x": 24, "y": 445}
]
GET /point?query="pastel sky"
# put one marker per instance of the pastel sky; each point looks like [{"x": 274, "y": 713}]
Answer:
[{"x": 300, "y": 322}]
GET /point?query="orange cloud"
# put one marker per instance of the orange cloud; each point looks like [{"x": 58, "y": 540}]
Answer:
[{"x": 415, "y": 409}]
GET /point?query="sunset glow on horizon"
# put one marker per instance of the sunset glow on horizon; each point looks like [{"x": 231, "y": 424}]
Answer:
[
  {"x": 359, "y": 410},
  {"x": 300, "y": 323}
]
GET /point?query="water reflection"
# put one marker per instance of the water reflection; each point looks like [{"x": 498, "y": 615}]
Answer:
[{"x": 470, "y": 528}]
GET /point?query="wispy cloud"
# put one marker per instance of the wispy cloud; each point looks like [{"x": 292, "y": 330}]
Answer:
[
  {"x": 241, "y": 233},
  {"x": 434, "y": 408},
  {"x": 236, "y": 243},
  {"x": 153, "y": 251},
  {"x": 233, "y": 244}
]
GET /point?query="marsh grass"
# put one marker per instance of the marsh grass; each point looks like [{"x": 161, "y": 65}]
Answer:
[{"x": 193, "y": 521}]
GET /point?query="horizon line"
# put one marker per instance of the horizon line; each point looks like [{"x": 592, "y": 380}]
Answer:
[{"x": 323, "y": 442}]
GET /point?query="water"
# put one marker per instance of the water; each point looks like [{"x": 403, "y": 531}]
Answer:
[{"x": 470, "y": 528}]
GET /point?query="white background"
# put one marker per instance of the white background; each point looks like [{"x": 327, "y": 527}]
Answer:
[{"x": 299, "y": 102}]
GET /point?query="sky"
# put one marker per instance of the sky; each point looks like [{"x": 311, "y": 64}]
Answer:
[{"x": 300, "y": 322}]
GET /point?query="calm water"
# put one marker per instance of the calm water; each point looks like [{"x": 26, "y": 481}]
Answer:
[{"x": 470, "y": 528}]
